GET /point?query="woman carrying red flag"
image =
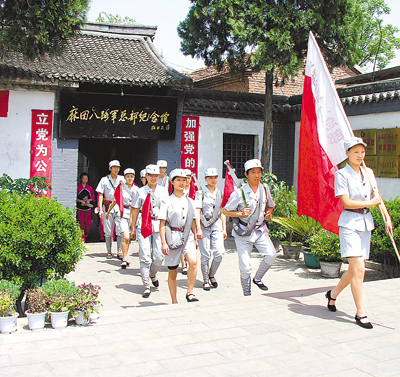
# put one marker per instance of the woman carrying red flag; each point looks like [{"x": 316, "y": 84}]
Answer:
[
  {"x": 122, "y": 222},
  {"x": 146, "y": 227}
]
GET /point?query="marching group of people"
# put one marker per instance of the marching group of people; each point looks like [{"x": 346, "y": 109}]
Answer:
[{"x": 170, "y": 223}]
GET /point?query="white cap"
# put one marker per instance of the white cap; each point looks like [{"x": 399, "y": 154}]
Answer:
[
  {"x": 349, "y": 143},
  {"x": 114, "y": 163},
  {"x": 211, "y": 172},
  {"x": 152, "y": 169},
  {"x": 143, "y": 173},
  {"x": 129, "y": 171},
  {"x": 188, "y": 172},
  {"x": 162, "y": 163},
  {"x": 255, "y": 163},
  {"x": 177, "y": 173}
]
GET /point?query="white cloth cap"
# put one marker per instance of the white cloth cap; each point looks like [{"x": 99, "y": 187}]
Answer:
[
  {"x": 114, "y": 163},
  {"x": 162, "y": 163},
  {"x": 211, "y": 172},
  {"x": 255, "y": 163},
  {"x": 349, "y": 143},
  {"x": 187, "y": 172},
  {"x": 177, "y": 173},
  {"x": 129, "y": 171},
  {"x": 152, "y": 169},
  {"x": 143, "y": 173}
]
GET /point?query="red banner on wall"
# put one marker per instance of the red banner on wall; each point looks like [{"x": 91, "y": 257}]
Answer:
[
  {"x": 41, "y": 136},
  {"x": 190, "y": 143},
  {"x": 4, "y": 99}
]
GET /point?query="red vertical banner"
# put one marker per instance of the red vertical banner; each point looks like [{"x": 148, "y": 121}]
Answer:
[
  {"x": 190, "y": 143},
  {"x": 41, "y": 137}
]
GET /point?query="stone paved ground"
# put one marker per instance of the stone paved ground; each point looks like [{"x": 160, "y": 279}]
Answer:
[{"x": 286, "y": 331}]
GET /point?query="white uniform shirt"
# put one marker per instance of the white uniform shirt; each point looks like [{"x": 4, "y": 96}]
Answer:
[
  {"x": 207, "y": 205},
  {"x": 164, "y": 181},
  {"x": 348, "y": 182},
  {"x": 236, "y": 203},
  {"x": 128, "y": 200},
  {"x": 107, "y": 187},
  {"x": 139, "y": 198}
]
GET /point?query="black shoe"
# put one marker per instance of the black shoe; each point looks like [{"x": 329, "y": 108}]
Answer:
[
  {"x": 206, "y": 286},
  {"x": 332, "y": 308},
  {"x": 156, "y": 283},
  {"x": 213, "y": 283},
  {"x": 365, "y": 325},
  {"x": 184, "y": 270},
  {"x": 109, "y": 256},
  {"x": 190, "y": 297},
  {"x": 260, "y": 285},
  {"x": 146, "y": 293},
  {"x": 119, "y": 256},
  {"x": 124, "y": 264}
]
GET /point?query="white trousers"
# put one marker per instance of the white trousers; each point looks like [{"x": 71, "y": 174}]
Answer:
[{"x": 212, "y": 244}]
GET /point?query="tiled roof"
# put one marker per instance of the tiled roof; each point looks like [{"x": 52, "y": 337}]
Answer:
[
  {"x": 102, "y": 53},
  {"x": 254, "y": 82}
]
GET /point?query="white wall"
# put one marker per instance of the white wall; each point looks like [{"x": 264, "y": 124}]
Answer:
[
  {"x": 15, "y": 130},
  {"x": 211, "y": 142},
  {"x": 388, "y": 187}
]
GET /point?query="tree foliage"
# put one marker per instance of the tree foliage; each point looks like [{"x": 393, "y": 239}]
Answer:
[
  {"x": 36, "y": 27},
  {"x": 114, "y": 19},
  {"x": 270, "y": 36}
]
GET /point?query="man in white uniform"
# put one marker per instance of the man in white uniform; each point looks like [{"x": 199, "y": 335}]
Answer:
[
  {"x": 163, "y": 179},
  {"x": 105, "y": 190},
  {"x": 150, "y": 254},
  {"x": 249, "y": 206}
]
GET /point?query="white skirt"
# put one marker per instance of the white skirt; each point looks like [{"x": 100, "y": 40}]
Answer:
[{"x": 354, "y": 243}]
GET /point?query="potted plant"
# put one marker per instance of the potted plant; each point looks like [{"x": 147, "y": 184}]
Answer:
[
  {"x": 326, "y": 247},
  {"x": 8, "y": 316},
  {"x": 36, "y": 299},
  {"x": 86, "y": 303},
  {"x": 60, "y": 302}
]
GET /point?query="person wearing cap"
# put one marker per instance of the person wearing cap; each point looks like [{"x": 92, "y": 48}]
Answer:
[
  {"x": 163, "y": 179},
  {"x": 150, "y": 254},
  {"x": 353, "y": 187},
  {"x": 211, "y": 228},
  {"x": 177, "y": 230},
  {"x": 249, "y": 206},
  {"x": 105, "y": 190},
  {"x": 129, "y": 188},
  {"x": 188, "y": 173},
  {"x": 143, "y": 177}
]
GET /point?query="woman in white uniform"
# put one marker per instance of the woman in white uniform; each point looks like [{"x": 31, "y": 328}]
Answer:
[
  {"x": 122, "y": 222},
  {"x": 355, "y": 224},
  {"x": 211, "y": 228},
  {"x": 177, "y": 230}
]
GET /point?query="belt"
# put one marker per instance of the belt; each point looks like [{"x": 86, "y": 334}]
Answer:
[
  {"x": 362, "y": 211},
  {"x": 176, "y": 229},
  {"x": 246, "y": 224},
  {"x": 127, "y": 207}
]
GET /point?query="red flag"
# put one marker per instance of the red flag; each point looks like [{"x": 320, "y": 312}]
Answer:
[
  {"x": 119, "y": 198},
  {"x": 323, "y": 129},
  {"x": 192, "y": 189},
  {"x": 147, "y": 226},
  {"x": 170, "y": 189},
  {"x": 4, "y": 97},
  {"x": 228, "y": 188}
]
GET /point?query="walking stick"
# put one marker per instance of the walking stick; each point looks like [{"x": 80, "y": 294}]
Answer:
[{"x": 381, "y": 207}]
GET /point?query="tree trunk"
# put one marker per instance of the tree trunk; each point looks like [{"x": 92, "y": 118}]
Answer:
[{"x": 268, "y": 129}]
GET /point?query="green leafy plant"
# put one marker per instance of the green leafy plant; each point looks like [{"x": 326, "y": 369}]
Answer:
[
  {"x": 60, "y": 286},
  {"x": 57, "y": 302},
  {"x": 34, "y": 186},
  {"x": 10, "y": 287},
  {"x": 39, "y": 239},
  {"x": 36, "y": 299},
  {"x": 6, "y": 304},
  {"x": 86, "y": 299},
  {"x": 325, "y": 246}
]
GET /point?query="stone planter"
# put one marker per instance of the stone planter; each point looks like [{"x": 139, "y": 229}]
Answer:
[
  {"x": 291, "y": 251},
  {"x": 8, "y": 324},
  {"x": 310, "y": 259},
  {"x": 277, "y": 244},
  {"x": 59, "y": 320},
  {"x": 330, "y": 269},
  {"x": 36, "y": 321}
]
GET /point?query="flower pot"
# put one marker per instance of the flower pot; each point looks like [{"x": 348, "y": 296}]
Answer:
[
  {"x": 330, "y": 269},
  {"x": 8, "y": 324},
  {"x": 59, "y": 320},
  {"x": 95, "y": 316},
  {"x": 310, "y": 259},
  {"x": 81, "y": 320},
  {"x": 291, "y": 251},
  {"x": 277, "y": 244},
  {"x": 36, "y": 321}
]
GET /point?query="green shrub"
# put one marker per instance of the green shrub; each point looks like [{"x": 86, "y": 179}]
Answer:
[
  {"x": 325, "y": 246},
  {"x": 38, "y": 239},
  {"x": 33, "y": 185},
  {"x": 382, "y": 250},
  {"x": 10, "y": 287},
  {"x": 60, "y": 286}
]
